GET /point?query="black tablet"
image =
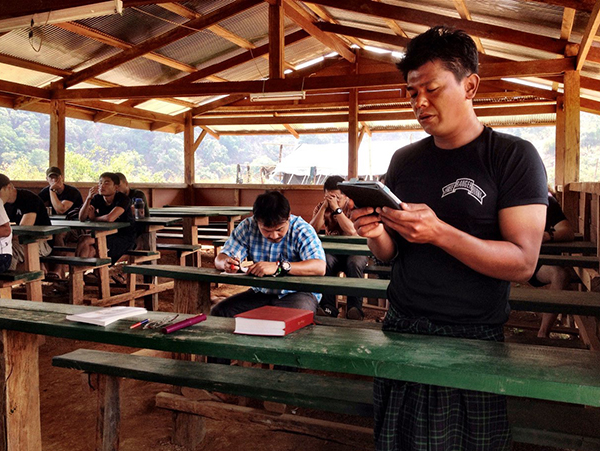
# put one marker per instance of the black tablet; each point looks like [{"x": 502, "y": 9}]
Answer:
[{"x": 370, "y": 194}]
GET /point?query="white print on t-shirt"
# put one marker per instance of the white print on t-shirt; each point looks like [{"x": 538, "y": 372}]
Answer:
[{"x": 466, "y": 185}]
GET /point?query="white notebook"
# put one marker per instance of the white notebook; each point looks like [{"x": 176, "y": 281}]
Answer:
[{"x": 107, "y": 315}]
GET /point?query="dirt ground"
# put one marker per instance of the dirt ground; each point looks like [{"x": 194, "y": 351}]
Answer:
[{"x": 68, "y": 408}]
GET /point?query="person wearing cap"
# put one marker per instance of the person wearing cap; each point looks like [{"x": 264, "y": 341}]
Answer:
[
  {"x": 61, "y": 197},
  {"x": 24, "y": 208}
]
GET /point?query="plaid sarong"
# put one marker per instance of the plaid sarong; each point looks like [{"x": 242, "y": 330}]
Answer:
[{"x": 419, "y": 417}]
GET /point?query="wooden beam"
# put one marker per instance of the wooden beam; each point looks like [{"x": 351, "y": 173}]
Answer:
[
  {"x": 420, "y": 17},
  {"x": 24, "y": 90},
  {"x": 588, "y": 36},
  {"x": 528, "y": 90},
  {"x": 353, "y": 134},
  {"x": 57, "y": 133},
  {"x": 487, "y": 71},
  {"x": 296, "y": 13},
  {"x": 366, "y": 129},
  {"x": 293, "y": 132},
  {"x": 567, "y": 23},
  {"x": 105, "y": 38},
  {"x": 572, "y": 124},
  {"x": 320, "y": 12},
  {"x": 113, "y": 108},
  {"x": 580, "y": 5},
  {"x": 394, "y": 26},
  {"x": 390, "y": 39},
  {"x": 199, "y": 139},
  {"x": 162, "y": 40},
  {"x": 276, "y": 39},
  {"x": 211, "y": 132},
  {"x": 188, "y": 150},
  {"x": 464, "y": 13}
]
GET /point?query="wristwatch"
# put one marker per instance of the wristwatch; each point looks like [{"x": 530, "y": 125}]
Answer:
[
  {"x": 283, "y": 268},
  {"x": 337, "y": 211}
]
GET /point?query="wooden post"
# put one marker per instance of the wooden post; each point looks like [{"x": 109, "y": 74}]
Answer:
[
  {"x": 276, "y": 39},
  {"x": 57, "y": 131},
  {"x": 188, "y": 149},
  {"x": 109, "y": 414},
  {"x": 559, "y": 153},
  {"x": 353, "y": 134},
  {"x": 20, "y": 425},
  {"x": 571, "y": 143}
]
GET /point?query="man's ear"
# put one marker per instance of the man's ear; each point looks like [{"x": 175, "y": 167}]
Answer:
[{"x": 471, "y": 84}]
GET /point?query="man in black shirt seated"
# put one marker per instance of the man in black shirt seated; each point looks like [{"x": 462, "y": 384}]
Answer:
[
  {"x": 24, "y": 208},
  {"x": 61, "y": 197},
  {"x": 104, "y": 203}
]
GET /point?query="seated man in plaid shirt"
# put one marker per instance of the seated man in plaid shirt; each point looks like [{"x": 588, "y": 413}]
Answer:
[{"x": 278, "y": 243}]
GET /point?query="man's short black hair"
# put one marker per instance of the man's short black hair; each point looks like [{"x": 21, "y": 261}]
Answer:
[
  {"x": 454, "y": 48},
  {"x": 4, "y": 181},
  {"x": 271, "y": 208},
  {"x": 122, "y": 177},
  {"x": 331, "y": 182},
  {"x": 111, "y": 175}
]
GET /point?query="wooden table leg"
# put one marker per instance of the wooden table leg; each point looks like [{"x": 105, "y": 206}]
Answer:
[
  {"x": 151, "y": 301},
  {"x": 32, "y": 263},
  {"x": 103, "y": 276},
  {"x": 191, "y": 297},
  {"x": 20, "y": 388}
]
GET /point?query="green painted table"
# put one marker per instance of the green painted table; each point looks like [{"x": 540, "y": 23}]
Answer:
[
  {"x": 193, "y": 216},
  {"x": 566, "y": 375},
  {"x": 192, "y": 289},
  {"x": 341, "y": 248},
  {"x": 355, "y": 239},
  {"x": 30, "y": 237}
]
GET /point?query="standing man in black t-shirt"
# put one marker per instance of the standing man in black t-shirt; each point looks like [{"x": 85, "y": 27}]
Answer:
[
  {"x": 24, "y": 208},
  {"x": 61, "y": 197},
  {"x": 105, "y": 203},
  {"x": 472, "y": 219}
]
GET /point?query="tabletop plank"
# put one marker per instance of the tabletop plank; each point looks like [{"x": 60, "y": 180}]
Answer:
[{"x": 568, "y": 375}]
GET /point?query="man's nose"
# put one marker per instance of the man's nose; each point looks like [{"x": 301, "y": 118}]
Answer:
[{"x": 420, "y": 100}]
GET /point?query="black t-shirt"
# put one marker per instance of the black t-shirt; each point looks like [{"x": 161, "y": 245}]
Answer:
[
  {"x": 554, "y": 215},
  {"x": 465, "y": 187},
  {"x": 69, "y": 193},
  {"x": 135, "y": 194},
  {"x": 120, "y": 200},
  {"x": 28, "y": 202}
]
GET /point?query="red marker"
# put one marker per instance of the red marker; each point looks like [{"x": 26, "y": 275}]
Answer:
[{"x": 185, "y": 323}]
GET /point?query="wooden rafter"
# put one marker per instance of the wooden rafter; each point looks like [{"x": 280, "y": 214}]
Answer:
[
  {"x": 321, "y": 13},
  {"x": 567, "y": 23},
  {"x": 464, "y": 13},
  {"x": 394, "y": 26},
  {"x": 390, "y": 39},
  {"x": 276, "y": 39},
  {"x": 293, "y": 132},
  {"x": 304, "y": 20},
  {"x": 588, "y": 36},
  {"x": 482, "y": 30},
  {"x": 487, "y": 71},
  {"x": 162, "y": 40},
  {"x": 580, "y": 5}
]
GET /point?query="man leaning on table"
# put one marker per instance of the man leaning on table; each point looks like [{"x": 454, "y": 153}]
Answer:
[
  {"x": 104, "y": 203},
  {"x": 471, "y": 221},
  {"x": 24, "y": 208},
  {"x": 61, "y": 197},
  {"x": 277, "y": 243}
]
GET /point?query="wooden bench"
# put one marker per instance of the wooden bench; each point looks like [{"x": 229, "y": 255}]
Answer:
[
  {"x": 10, "y": 279},
  {"x": 532, "y": 421},
  {"x": 77, "y": 267},
  {"x": 183, "y": 250}
]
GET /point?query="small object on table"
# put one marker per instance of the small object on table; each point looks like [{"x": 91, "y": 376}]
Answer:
[{"x": 185, "y": 323}]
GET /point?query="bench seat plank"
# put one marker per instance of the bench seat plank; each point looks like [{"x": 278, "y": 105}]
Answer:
[
  {"x": 298, "y": 389},
  {"x": 76, "y": 261},
  {"x": 567, "y": 375},
  {"x": 178, "y": 247},
  {"x": 23, "y": 276}
]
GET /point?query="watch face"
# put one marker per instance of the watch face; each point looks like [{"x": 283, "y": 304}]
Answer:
[{"x": 286, "y": 266}]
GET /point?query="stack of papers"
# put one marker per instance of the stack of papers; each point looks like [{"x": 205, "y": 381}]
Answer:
[{"x": 107, "y": 315}]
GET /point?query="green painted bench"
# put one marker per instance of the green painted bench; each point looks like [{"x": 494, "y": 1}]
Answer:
[
  {"x": 10, "y": 279},
  {"x": 535, "y": 422},
  {"x": 569, "y": 260}
]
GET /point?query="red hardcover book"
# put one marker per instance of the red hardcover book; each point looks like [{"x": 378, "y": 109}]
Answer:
[{"x": 274, "y": 321}]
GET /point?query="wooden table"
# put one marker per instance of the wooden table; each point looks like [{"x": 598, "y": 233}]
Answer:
[
  {"x": 566, "y": 375},
  {"x": 569, "y": 247},
  {"x": 30, "y": 237},
  {"x": 99, "y": 231},
  {"x": 199, "y": 215},
  {"x": 341, "y": 248},
  {"x": 192, "y": 289},
  {"x": 354, "y": 239}
]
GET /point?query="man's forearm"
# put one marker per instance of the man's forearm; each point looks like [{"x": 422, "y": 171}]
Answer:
[{"x": 312, "y": 267}]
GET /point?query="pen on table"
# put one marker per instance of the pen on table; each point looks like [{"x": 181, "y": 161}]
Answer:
[
  {"x": 185, "y": 323},
  {"x": 141, "y": 323}
]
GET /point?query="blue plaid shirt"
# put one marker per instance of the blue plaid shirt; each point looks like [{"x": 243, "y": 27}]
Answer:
[{"x": 299, "y": 243}]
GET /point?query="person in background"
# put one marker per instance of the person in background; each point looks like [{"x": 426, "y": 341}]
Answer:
[
  {"x": 133, "y": 193},
  {"x": 471, "y": 221},
  {"x": 278, "y": 243},
  {"x": 5, "y": 234},
  {"x": 24, "y": 208},
  {"x": 63, "y": 198},
  {"x": 333, "y": 215},
  {"x": 104, "y": 203},
  {"x": 558, "y": 228}
]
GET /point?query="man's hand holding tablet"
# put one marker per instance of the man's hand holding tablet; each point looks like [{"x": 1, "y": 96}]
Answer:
[{"x": 370, "y": 194}]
